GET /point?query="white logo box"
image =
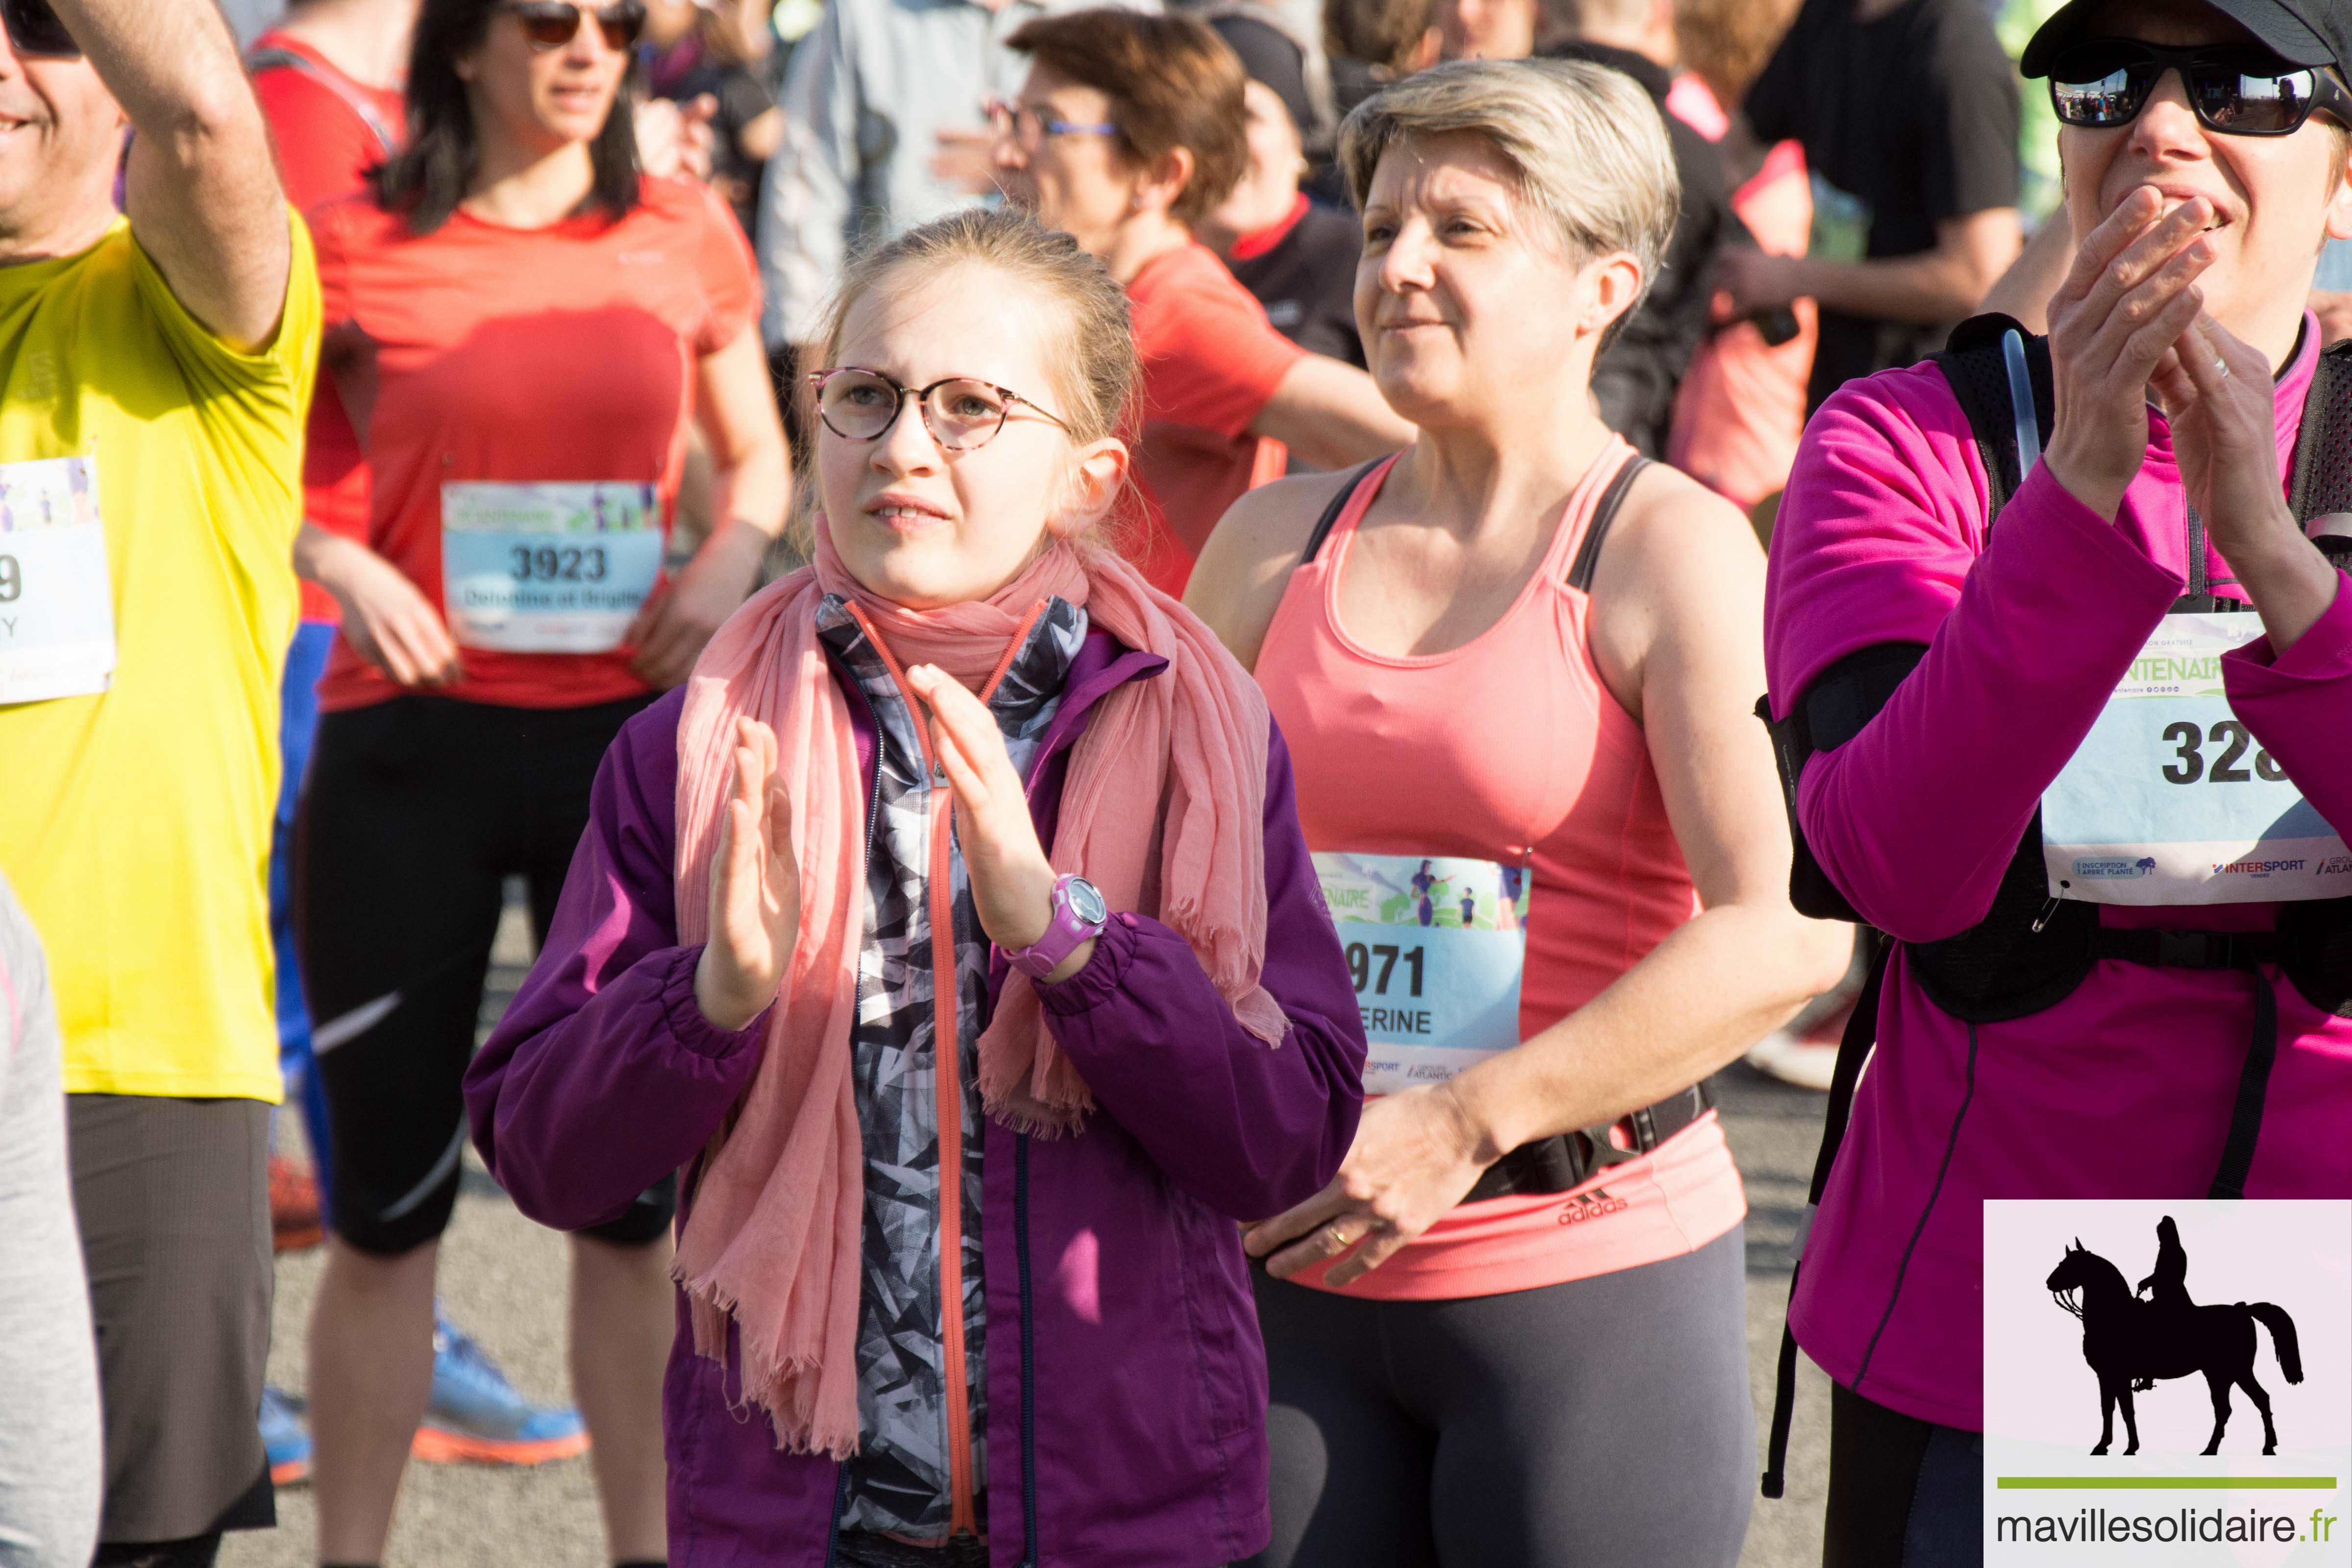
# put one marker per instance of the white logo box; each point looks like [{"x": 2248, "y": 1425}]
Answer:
[{"x": 2048, "y": 1500}]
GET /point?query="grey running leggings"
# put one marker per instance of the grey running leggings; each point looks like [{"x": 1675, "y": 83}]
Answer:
[{"x": 1589, "y": 1425}]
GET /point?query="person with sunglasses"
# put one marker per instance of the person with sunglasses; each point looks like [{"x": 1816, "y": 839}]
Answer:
[
  {"x": 157, "y": 361},
  {"x": 1128, "y": 133},
  {"x": 953, "y": 931},
  {"x": 2160, "y": 1018},
  {"x": 521, "y": 323},
  {"x": 329, "y": 75}
]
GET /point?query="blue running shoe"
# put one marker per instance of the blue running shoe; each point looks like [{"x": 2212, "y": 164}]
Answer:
[
  {"x": 476, "y": 1415},
  {"x": 284, "y": 1437}
]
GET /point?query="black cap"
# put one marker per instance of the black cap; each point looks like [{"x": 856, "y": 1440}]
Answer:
[
  {"x": 1271, "y": 56},
  {"x": 2302, "y": 32}
]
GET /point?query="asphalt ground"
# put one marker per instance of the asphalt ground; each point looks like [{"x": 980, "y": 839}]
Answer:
[{"x": 503, "y": 1279}]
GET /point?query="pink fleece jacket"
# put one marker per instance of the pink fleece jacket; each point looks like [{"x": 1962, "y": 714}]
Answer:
[{"x": 2123, "y": 1089}]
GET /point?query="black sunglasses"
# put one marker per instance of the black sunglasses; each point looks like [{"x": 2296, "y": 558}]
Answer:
[
  {"x": 34, "y": 29},
  {"x": 552, "y": 24},
  {"x": 2233, "y": 89}
]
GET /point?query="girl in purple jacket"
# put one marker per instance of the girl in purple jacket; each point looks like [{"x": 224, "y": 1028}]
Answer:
[
  {"x": 953, "y": 931},
  {"x": 2149, "y": 911}
]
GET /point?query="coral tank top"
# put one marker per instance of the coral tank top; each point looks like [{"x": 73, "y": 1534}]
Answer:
[{"x": 1510, "y": 749}]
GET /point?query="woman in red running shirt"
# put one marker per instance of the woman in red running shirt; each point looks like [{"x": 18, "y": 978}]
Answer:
[
  {"x": 1129, "y": 130},
  {"x": 519, "y": 322}
]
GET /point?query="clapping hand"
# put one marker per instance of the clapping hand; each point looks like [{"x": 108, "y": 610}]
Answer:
[
  {"x": 755, "y": 890},
  {"x": 1012, "y": 880},
  {"x": 2217, "y": 393},
  {"x": 2129, "y": 297}
]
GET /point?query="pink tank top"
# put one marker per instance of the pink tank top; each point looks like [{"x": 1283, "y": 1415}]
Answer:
[{"x": 1508, "y": 748}]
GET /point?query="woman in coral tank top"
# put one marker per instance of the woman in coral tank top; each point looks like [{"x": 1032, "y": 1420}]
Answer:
[{"x": 1516, "y": 664}]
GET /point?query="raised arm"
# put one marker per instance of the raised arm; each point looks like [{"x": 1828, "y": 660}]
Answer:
[{"x": 203, "y": 197}]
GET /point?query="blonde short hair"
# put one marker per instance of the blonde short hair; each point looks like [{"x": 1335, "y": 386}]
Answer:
[{"x": 1585, "y": 141}]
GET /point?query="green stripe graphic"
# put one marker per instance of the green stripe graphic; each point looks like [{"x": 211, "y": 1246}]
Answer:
[{"x": 2167, "y": 1483}]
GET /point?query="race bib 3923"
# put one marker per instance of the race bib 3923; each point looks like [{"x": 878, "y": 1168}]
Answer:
[
  {"x": 57, "y": 607},
  {"x": 547, "y": 568},
  {"x": 1436, "y": 945}
]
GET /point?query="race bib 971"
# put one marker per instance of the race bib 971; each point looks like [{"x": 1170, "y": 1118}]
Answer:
[
  {"x": 1435, "y": 945},
  {"x": 57, "y": 607},
  {"x": 2170, "y": 800},
  {"x": 547, "y": 568}
]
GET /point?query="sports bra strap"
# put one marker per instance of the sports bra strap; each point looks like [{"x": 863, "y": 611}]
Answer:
[
  {"x": 1604, "y": 513},
  {"x": 1588, "y": 554},
  {"x": 1339, "y": 499}
]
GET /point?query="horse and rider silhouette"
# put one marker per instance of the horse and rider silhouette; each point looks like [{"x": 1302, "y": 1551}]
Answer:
[{"x": 2131, "y": 1344}]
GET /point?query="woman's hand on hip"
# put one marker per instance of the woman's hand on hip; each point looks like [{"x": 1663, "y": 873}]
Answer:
[
  {"x": 1012, "y": 880},
  {"x": 755, "y": 890},
  {"x": 2131, "y": 294},
  {"x": 1417, "y": 1154}
]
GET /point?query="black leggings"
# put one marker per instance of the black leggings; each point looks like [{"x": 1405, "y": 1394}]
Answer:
[
  {"x": 1904, "y": 1493},
  {"x": 417, "y": 811},
  {"x": 1589, "y": 1425}
]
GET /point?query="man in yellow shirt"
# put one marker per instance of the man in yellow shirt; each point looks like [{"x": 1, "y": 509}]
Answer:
[{"x": 154, "y": 372}]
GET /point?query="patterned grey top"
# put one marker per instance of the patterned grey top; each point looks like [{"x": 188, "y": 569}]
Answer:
[{"x": 899, "y": 1482}]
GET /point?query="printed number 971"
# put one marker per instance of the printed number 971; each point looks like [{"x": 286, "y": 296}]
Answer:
[
  {"x": 12, "y": 579},
  {"x": 1361, "y": 959},
  {"x": 2188, "y": 763}
]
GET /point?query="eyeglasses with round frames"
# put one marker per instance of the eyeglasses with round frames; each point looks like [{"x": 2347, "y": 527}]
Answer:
[
  {"x": 962, "y": 413},
  {"x": 1031, "y": 125},
  {"x": 2235, "y": 90},
  {"x": 552, "y": 24}
]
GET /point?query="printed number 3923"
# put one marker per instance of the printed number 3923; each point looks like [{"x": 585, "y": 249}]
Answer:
[
  {"x": 568, "y": 564},
  {"x": 2188, "y": 763}
]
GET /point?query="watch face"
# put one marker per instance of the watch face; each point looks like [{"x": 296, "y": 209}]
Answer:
[{"x": 1086, "y": 903}]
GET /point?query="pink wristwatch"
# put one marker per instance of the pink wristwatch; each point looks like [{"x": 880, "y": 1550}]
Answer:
[{"x": 1079, "y": 914}]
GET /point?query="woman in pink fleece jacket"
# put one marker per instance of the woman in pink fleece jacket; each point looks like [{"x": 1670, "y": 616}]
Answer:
[{"x": 2180, "y": 358}]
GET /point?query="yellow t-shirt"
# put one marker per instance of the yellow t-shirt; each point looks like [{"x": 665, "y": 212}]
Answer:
[{"x": 135, "y": 823}]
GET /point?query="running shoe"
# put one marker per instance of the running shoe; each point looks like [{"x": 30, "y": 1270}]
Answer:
[
  {"x": 475, "y": 1414},
  {"x": 294, "y": 1223},
  {"x": 284, "y": 1437}
]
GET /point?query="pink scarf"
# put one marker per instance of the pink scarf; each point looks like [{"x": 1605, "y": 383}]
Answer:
[{"x": 1163, "y": 810}]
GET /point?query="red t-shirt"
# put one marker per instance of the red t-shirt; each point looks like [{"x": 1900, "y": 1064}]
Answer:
[
  {"x": 1211, "y": 362},
  {"x": 325, "y": 148},
  {"x": 557, "y": 356}
]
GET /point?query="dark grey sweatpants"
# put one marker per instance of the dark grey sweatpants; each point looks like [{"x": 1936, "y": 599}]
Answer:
[{"x": 1589, "y": 1425}]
